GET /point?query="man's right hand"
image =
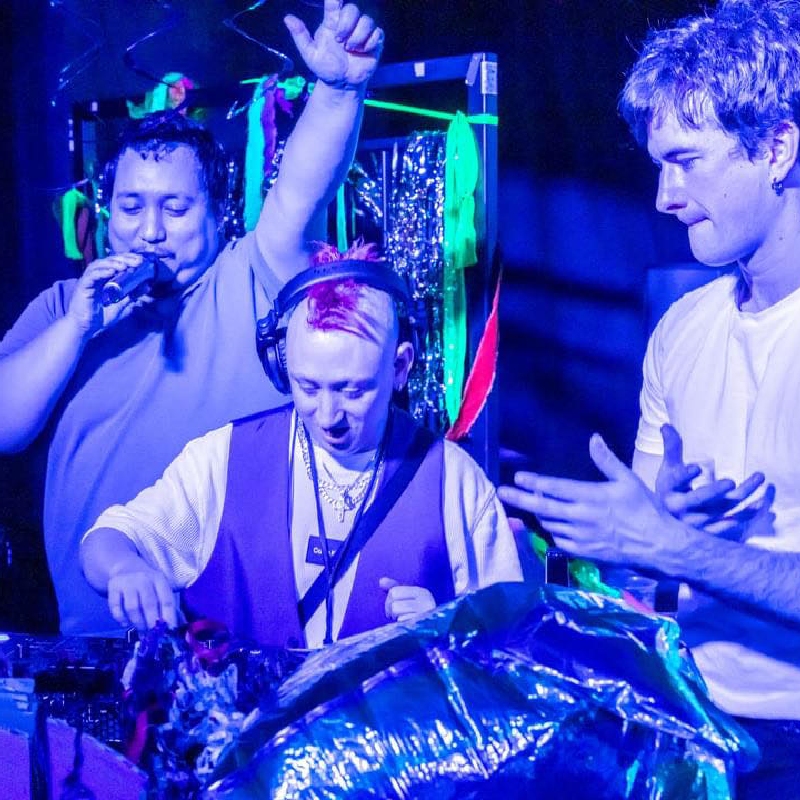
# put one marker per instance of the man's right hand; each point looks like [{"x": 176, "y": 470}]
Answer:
[
  {"x": 344, "y": 50},
  {"x": 86, "y": 309},
  {"x": 140, "y": 596}
]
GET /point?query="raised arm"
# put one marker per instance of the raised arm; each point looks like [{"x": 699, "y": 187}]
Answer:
[
  {"x": 343, "y": 53},
  {"x": 34, "y": 375},
  {"x": 620, "y": 521}
]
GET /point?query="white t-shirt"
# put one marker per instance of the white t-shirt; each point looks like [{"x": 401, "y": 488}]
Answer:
[
  {"x": 174, "y": 523},
  {"x": 729, "y": 381}
]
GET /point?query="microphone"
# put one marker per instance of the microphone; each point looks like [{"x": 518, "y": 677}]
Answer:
[{"x": 130, "y": 280}]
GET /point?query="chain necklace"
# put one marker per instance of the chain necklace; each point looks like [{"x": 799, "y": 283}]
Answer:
[{"x": 343, "y": 497}]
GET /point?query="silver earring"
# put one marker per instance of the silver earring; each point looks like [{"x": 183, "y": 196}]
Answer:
[{"x": 777, "y": 186}]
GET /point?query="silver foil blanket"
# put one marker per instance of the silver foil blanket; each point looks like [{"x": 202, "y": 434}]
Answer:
[{"x": 513, "y": 691}]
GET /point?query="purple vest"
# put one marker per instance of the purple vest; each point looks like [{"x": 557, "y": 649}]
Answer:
[{"x": 248, "y": 583}]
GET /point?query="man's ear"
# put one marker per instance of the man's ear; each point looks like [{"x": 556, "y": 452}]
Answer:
[
  {"x": 784, "y": 150},
  {"x": 403, "y": 360}
]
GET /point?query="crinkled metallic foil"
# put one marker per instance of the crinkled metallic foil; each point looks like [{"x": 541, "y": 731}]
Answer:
[
  {"x": 367, "y": 192},
  {"x": 513, "y": 691}
]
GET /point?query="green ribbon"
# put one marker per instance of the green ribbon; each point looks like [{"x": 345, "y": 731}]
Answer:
[
  {"x": 341, "y": 220},
  {"x": 461, "y": 180},
  {"x": 292, "y": 87},
  {"x": 432, "y": 113},
  {"x": 71, "y": 201},
  {"x": 254, "y": 159}
]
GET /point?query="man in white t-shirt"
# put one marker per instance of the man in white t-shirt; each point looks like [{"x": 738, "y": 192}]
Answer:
[{"x": 714, "y": 100}]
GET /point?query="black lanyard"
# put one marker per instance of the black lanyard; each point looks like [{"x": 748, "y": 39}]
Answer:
[
  {"x": 331, "y": 570},
  {"x": 390, "y": 492}
]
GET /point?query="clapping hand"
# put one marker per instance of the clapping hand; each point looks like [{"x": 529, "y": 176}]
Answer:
[
  {"x": 718, "y": 506},
  {"x": 345, "y": 48},
  {"x": 617, "y": 521}
]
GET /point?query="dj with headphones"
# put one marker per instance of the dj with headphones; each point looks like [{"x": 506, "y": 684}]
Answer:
[{"x": 327, "y": 517}]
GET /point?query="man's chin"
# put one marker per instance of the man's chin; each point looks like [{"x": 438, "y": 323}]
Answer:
[{"x": 337, "y": 446}]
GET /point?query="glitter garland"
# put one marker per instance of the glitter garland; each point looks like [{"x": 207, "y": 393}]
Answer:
[{"x": 414, "y": 244}]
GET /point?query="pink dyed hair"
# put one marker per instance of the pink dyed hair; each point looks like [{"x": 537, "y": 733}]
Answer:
[
  {"x": 360, "y": 250},
  {"x": 334, "y": 305}
]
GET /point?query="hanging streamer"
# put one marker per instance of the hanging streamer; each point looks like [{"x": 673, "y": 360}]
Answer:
[
  {"x": 414, "y": 235},
  {"x": 341, "y": 219},
  {"x": 70, "y": 203},
  {"x": 481, "y": 377},
  {"x": 292, "y": 88},
  {"x": 101, "y": 227},
  {"x": 254, "y": 157},
  {"x": 87, "y": 28},
  {"x": 287, "y": 65},
  {"x": 169, "y": 92},
  {"x": 461, "y": 180}
]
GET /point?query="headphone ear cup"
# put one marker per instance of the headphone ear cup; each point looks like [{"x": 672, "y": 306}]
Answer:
[
  {"x": 271, "y": 345},
  {"x": 281, "y": 371}
]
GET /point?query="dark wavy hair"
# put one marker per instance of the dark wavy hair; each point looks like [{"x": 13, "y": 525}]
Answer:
[
  {"x": 738, "y": 66},
  {"x": 164, "y": 131}
]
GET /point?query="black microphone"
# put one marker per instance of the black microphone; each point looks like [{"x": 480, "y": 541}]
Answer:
[{"x": 133, "y": 279}]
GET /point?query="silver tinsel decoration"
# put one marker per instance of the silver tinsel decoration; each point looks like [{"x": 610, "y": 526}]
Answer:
[
  {"x": 233, "y": 219},
  {"x": 414, "y": 245}
]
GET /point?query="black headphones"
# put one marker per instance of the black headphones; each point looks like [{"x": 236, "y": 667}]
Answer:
[{"x": 271, "y": 339}]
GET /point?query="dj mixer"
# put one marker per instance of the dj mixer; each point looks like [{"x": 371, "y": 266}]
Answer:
[{"x": 76, "y": 679}]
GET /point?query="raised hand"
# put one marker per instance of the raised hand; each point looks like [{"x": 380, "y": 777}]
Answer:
[
  {"x": 404, "y": 602},
  {"x": 345, "y": 48},
  {"x": 673, "y": 474}
]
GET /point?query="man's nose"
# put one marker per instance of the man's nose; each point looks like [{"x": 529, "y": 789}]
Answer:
[
  {"x": 329, "y": 410},
  {"x": 152, "y": 227},
  {"x": 671, "y": 195}
]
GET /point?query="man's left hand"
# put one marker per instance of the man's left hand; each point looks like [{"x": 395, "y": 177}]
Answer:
[
  {"x": 345, "y": 48},
  {"x": 405, "y": 602},
  {"x": 718, "y": 506}
]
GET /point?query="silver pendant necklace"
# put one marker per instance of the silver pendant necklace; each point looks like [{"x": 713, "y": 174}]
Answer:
[{"x": 344, "y": 498}]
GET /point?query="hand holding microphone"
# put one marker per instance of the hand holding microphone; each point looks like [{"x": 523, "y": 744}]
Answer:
[{"x": 132, "y": 281}]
